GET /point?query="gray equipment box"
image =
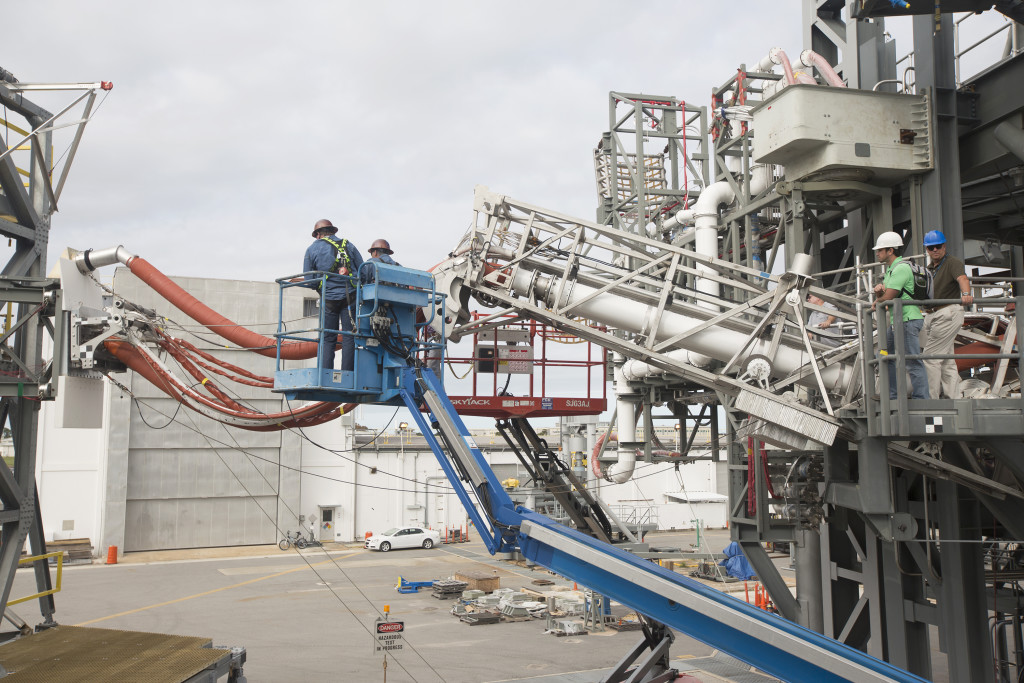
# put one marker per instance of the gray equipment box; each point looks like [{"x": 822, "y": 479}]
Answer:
[{"x": 827, "y": 133}]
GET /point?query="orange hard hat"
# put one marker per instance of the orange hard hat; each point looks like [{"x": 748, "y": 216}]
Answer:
[{"x": 383, "y": 246}]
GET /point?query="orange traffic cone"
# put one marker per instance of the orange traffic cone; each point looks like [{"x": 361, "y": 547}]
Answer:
[{"x": 112, "y": 555}]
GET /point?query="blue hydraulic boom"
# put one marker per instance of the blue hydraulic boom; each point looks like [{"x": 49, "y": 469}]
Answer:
[{"x": 393, "y": 311}]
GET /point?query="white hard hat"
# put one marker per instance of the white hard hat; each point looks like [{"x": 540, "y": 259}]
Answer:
[{"x": 888, "y": 240}]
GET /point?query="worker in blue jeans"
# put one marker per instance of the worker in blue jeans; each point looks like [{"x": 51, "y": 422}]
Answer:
[
  {"x": 898, "y": 281},
  {"x": 340, "y": 258}
]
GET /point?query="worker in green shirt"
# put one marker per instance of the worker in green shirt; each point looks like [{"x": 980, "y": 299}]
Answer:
[{"x": 898, "y": 281}]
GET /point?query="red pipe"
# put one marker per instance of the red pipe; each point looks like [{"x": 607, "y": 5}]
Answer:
[
  {"x": 975, "y": 347},
  {"x": 203, "y": 314}
]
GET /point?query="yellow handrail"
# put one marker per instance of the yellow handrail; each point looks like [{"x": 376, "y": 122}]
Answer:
[{"x": 35, "y": 558}]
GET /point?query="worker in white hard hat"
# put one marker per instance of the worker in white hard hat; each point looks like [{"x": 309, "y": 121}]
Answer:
[{"x": 898, "y": 281}]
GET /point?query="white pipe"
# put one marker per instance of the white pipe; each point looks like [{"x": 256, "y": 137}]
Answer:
[
  {"x": 706, "y": 243},
  {"x": 1010, "y": 137},
  {"x": 622, "y": 469},
  {"x": 810, "y": 58},
  {"x": 760, "y": 177},
  {"x": 684, "y": 217},
  {"x": 625, "y": 314},
  {"x": 766, "y": 63}
]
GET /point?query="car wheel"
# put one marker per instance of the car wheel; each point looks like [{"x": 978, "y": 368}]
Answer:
[
  {"x": 385, "y": 546},
  {"x": 428, "y": 544}
]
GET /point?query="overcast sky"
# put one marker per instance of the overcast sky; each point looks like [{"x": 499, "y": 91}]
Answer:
[{"x": 233, "y": 126}]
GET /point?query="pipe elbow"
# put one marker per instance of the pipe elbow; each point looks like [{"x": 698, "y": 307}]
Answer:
[
  {"x": 91, "y": 259},
  {"x": 810, "y": 58},
  {"x": 778, "y": 56},
  {"x": 714, "y": 196},
  {"x": 622, "y": 470}
]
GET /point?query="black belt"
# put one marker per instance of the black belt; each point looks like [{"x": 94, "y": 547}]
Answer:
[{"x": 932, "y": 309}]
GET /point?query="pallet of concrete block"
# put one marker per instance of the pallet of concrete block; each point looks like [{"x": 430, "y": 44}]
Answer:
[
  {"x": 479, "y": 580},
  {"x": 630, "y": 622},
  {"x": 448, "y": 589},
  {"x": 480, "y": 618},
  {"x": 567, "y": 627},
  {"x": 76, "y": 550}
]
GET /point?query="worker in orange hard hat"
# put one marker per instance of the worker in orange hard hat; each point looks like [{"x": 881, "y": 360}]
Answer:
[
  {"x": 342, "y": 260},
  {"x": 380, "y": 252},
  {"x": 382, "y": 247}
]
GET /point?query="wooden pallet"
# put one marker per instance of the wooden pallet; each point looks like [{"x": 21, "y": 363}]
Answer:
[{"x": 74, "y": 549}]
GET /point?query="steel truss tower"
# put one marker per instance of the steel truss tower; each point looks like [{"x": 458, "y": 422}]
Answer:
[
  {"x": 887, "y": 543},
  {"x": 31, "y": 182},
  {"x": 892, "y": 545}
]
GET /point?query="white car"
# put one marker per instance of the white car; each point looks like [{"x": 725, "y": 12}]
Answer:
[{"x": 403, "y": 537}]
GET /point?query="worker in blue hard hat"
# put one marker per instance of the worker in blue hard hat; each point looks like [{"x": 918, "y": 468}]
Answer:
[{"x": 942, "y": 322}]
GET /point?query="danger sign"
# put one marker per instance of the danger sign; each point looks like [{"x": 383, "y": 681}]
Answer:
[{"x": 388, "y": 637}]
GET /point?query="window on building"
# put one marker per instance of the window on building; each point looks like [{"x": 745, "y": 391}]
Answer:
[{"x": 311, "y": 307}]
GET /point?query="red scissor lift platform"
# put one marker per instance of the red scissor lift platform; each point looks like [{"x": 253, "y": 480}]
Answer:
[{"x": 549, "y": 383}]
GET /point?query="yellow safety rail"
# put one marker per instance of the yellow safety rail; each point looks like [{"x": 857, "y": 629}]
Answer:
[{"x": 35, "y": 558}]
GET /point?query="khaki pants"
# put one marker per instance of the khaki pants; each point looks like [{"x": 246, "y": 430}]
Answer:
[{"x": 937, "y": 337}]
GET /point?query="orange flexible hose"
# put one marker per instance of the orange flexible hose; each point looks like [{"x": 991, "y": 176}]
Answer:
[
  {"x": 217, "y": 323},
  {"x": 307, "y": 416}
]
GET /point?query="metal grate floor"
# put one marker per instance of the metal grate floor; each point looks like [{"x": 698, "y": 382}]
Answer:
[
  {"x": 723, "y": 665},
  {"x": 77, "y": 654}
]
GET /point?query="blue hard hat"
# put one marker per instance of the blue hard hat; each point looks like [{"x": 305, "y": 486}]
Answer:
[{"x": 933, "y": 237}]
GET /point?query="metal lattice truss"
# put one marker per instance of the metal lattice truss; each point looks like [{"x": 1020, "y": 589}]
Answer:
[
  {"x": 538, "y": 264},
  {"x": 651, "y": 161},
  {"x": 32, "y": 178}
]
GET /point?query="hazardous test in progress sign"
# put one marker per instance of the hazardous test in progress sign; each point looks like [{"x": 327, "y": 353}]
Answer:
[{"x": 389, "y": 635}]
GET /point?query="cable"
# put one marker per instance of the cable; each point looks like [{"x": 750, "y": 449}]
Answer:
[
  {"x": 313, "y": 568},
  {"x": 146, "y": 422},
  {"x": 445, "y": 490}
]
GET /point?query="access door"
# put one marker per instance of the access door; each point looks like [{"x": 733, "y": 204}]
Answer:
[{"x": 326, "y": 524}]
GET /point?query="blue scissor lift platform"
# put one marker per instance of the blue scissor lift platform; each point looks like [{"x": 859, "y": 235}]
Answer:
[{"x": 394, "y": 305}]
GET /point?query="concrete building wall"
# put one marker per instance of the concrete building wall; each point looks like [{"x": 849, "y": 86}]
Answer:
[
  {"x": 139, "y": 481},
  {"x": 647, "y": 494}
]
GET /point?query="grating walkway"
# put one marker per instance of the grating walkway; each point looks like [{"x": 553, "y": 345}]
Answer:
[
  {"x": 722, "y": 665},
  {"x": 77, "y": 654}
]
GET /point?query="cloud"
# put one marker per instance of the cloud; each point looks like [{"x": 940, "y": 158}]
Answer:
[{"x": 233, "y": 126}]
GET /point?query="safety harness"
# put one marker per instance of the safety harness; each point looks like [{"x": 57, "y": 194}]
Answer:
[{"x": 340, "y": 255}]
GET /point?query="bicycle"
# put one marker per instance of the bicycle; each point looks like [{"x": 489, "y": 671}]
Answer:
[{"x": 297, "y": 540}]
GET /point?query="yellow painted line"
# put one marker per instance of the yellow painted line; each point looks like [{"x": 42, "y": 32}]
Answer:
[{"x": 209, "y": 592}]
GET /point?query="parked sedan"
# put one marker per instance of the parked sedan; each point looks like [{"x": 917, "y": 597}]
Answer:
[{"x": 403, "y": 537}]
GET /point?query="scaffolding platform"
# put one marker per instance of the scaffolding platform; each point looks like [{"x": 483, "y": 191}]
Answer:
[{"x": 73, "y": 654}]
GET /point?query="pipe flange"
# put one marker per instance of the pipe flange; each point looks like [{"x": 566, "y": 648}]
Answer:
[{"x": 757, "y": 370}]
